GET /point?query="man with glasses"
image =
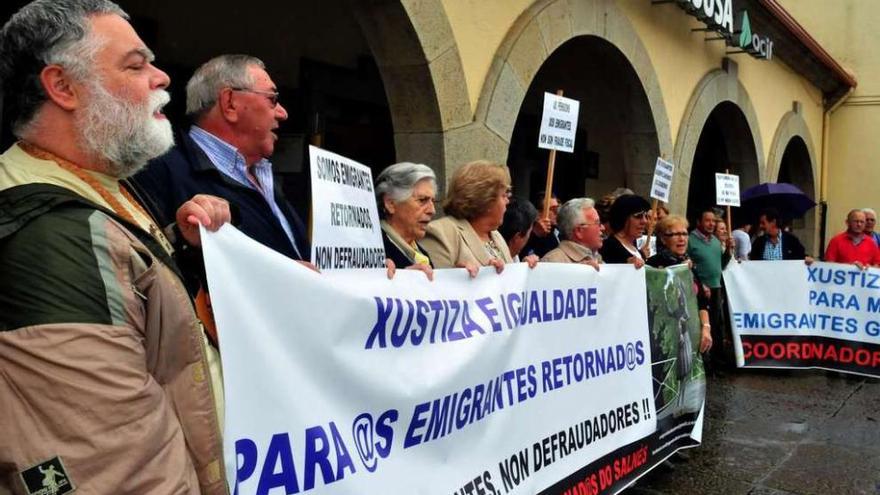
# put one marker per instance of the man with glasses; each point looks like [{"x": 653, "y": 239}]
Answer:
[
  {"x": 581, "y": 230},
  {"x": 234, "y": 106}
]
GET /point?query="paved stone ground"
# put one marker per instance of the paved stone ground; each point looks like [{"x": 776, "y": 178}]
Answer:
[{"x": 781, "y": 433}]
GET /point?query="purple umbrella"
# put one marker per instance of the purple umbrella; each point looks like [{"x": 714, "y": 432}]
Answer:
[{"x": 786, "y": 198}]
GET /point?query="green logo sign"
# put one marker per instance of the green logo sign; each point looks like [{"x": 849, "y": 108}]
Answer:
[{"x": 745, "y": 37}]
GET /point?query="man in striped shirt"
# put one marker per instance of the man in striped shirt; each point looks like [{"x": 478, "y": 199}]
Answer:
[{"x": 234, "y": 104}]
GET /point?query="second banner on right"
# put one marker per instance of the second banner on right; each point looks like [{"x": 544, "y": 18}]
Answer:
[{"x": 787, "y": 314}]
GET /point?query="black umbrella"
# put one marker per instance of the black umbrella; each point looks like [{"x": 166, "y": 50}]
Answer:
[{"x": 786, "y": 198}]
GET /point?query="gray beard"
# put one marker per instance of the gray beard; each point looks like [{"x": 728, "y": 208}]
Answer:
[{"x": 121, "y": 135}]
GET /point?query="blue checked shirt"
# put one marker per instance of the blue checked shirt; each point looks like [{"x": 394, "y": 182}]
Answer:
[
  {"x": 231, "y": 163},
  {"x": 773, "y": 252}
]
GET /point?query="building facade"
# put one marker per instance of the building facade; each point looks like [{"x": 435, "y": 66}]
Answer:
[{"x": 444, "y": 82}]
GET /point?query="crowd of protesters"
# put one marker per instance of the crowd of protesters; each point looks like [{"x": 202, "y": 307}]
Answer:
[{"x": 104, "y": 290}]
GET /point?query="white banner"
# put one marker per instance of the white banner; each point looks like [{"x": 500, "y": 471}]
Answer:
[
  {"x": 348, "y": 382},
  {"x": 558, "y": 123},
  {"x": 790, "y": 315},
  {"x": 727, "y": 189},
  {"x": 663, "y": 172},
  {"x": 345, "y": 222}
]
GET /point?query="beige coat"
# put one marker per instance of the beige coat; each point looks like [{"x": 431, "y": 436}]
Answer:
[
  {"x": 451, "y": 242},
  {"x": 570, "y": 252}
]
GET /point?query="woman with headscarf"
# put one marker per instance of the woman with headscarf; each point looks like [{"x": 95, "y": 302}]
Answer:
[
  {"x": 628, "y": 218},
  {"x": 405, "y": 195},
  {"x": 475, "y": 203}
]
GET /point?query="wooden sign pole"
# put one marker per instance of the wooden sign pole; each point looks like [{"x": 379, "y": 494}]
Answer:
[
  {"x": 729, "y": 220},
  {"x": 551, "y": 164}
]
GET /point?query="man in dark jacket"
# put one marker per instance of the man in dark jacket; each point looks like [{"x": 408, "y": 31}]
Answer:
[
  {"x": 776, "y": 244},
  {"x": 234, "y": 105}
]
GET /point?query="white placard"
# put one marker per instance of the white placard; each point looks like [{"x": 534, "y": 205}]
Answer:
[
  {"x": 345, "y": 222},
  {"x": 662, "y": 184},
  {"x": 559, "y": 123},
  {"x": 726, "y": 189}
]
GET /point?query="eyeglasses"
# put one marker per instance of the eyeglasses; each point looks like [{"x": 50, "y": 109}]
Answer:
[
  {"x": 272, "y": 96},
  {"x": 675, "y": 234},
  {"x": 508, "y": 193},
  {"x": 589, "y": 224},
  {"x": 640, "y": 215}
]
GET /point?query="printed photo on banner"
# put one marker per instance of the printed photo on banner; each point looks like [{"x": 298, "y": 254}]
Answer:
[{"x": 345, "y": 220}]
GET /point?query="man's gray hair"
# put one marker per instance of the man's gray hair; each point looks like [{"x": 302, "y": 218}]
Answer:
[
  {"x": 223, "y": 71},
  {"x": 571, "y": 214},
  {"x": 41, "y": 33},
  {"x": 869, "y": 210},
  {"x": 398, "y": 180}
]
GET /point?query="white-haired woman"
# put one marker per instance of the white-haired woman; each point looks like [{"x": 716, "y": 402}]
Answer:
[{"x": 406, "y": 194}]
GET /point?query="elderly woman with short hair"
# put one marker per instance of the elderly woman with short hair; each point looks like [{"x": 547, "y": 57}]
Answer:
[
  {"x": 475, "y": 203},
  {"x": 405, "y": 195}
]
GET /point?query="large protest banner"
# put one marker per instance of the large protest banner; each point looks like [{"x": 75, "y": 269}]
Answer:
[
  {"x": 530, "y": 381},
  {"x": 787, "y": 314}
]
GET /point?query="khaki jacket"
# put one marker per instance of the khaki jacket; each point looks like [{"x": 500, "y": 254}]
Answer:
[
  {"x": 452, "y": 241},
  {"x": 102, "y": 360},
  {"x": 571, "y": 252}
]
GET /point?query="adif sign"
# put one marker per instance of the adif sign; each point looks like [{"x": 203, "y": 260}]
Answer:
[
  {"x": 753, "y": 42},
  {"x": 717, "y": 14}
]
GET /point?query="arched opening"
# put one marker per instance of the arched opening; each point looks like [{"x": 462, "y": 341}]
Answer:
[
  {"x": 616, "y": 143},
  {"x": 796, "y": 168},
  {"x": 320, "y": 59},
  {"x": 725, "y": 144}
]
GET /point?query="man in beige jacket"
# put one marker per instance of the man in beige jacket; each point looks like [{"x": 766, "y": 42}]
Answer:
[
  {"x": 581, "y": 229},
  {"x": 104, "y": 378}
]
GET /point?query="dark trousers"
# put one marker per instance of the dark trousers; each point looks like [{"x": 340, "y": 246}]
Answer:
[{"x": 720, "y": 356}]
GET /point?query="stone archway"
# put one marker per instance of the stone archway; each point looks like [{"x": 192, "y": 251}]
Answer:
[
  {"x": 421, "y": 69},
  {"x": 792, "y": 159},
  {"x": 791, "y": 125},
  {"x": 536, "y": 34},
  {"x": 716, "y": 88}
]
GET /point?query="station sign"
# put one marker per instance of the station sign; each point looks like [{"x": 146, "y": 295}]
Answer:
[{"x": 718, "y": 16}]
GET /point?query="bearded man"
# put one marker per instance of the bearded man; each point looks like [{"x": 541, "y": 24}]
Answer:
[{"x": 104, "y": 369}]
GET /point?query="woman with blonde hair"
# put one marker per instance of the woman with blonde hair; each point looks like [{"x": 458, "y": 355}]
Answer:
[
  {"x": 468, "y": 236},
  {"x": 672, "y": 234}
]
